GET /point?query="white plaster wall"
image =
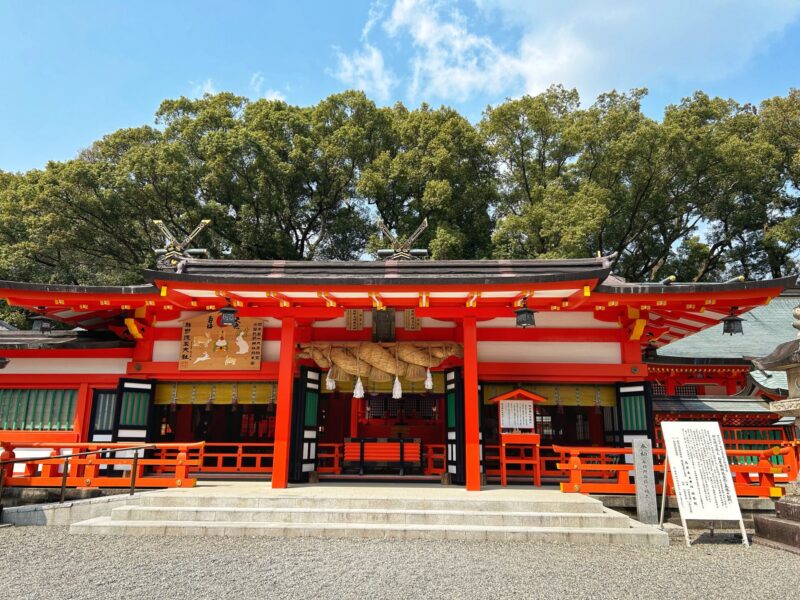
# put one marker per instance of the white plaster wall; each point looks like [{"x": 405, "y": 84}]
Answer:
[
  {"x": 53, "y": 366},
  {"x": 188, "y": 314},
  {"x": 166, "y": 350},
  {"x": 550, "y": 352},
  {"x": 180, "y": 318},
  {"x": 545, "y": 319},
  {"x": 270, "y": 350},
  {"x": 340, "y": 322},
  {"x": 433, "y": 323}
]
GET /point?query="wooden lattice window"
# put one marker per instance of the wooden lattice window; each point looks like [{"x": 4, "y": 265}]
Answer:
[{"x": 37, "y": 409}]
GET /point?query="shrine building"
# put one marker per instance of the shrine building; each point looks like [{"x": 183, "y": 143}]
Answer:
[{"x": 366, "y": 369}]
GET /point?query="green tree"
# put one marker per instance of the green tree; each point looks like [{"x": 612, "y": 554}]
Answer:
[{"x": 433, "y": 164}]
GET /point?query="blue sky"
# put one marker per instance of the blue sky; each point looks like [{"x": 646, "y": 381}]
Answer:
[{"x": 71, "y": 72}]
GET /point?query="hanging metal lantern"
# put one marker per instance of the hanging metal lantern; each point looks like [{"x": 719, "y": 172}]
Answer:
[
  {"x": 42, "y": 324},
  {"x": 650, "y": 353},
  {"x": 227, "y": 316},
  {"x": 525, "y": 316},
  {"x": 732, "y": 323}
]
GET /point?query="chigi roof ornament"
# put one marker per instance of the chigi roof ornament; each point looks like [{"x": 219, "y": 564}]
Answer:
[
  {"x": 169, "y": 257},
  {"x": 402, "y": 250}
]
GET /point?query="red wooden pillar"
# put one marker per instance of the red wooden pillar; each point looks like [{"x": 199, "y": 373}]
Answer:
[
  {"x": 283, "y": 416},
  {"x": 355, "y": 407},
  {"x": 471, "y": 408},
  {"x": 83, "y": 412},
  {"x": 596, "y": 426}
]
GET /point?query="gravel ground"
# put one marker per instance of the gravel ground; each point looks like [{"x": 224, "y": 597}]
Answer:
[{"x": 48, "y": 563}]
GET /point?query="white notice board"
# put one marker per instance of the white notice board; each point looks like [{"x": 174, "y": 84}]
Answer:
[
  {"x": 516, "y": 414},
  {"x": 700, "y": 472}
]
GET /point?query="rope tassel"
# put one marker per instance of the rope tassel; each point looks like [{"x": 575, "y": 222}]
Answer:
[
  {"x": 397, "y": 389},
  {"x": 428, "y": 377},
  {"x": 330, "y": 382},
  {"x": 358, "y": 389}
]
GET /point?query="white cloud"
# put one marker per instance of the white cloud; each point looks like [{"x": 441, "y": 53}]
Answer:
[
  {"x": 256, "y": 82},
  {"x": 274, "y": 95},
  {"x": 594, "y": 46},
  {"x": 376, "y": 12},
  {"x": 201, "y": 89},
  {"x": 449, "y": 60},
  {"x": 365, "y": 69}
]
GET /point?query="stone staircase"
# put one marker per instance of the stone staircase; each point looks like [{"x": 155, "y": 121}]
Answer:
[
  {"x": 436, "y": 513},
  {"x": 783, "y": 530}
]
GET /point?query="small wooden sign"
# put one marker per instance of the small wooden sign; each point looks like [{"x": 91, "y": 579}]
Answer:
[
  {"x": 208, "y": 346},
  {"x": 516, "y": 414}
]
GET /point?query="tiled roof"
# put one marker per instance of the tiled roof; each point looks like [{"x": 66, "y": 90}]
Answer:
[
  {"x": 385, "y": 272},
  {"x": 61, "y": 340},
  {"x": 764, "y": 328},
  {"x": 681, "y": 404}
]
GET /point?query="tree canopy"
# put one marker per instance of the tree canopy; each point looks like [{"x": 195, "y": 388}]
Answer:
[{"x": 709, "y": 191}]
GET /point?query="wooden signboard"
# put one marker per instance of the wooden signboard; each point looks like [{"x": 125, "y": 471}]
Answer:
[
  {"x": 208, "y": 346},
  {"x": 516, "y": 414},
  {"x": 700, "y": 473}
]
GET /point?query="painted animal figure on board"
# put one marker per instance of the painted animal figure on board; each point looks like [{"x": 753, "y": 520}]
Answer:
[
  {"x": 230, "y": 360},
  {"x": 202, "y": 340},
  {"x": 203, "y": 357},
  {"x": 242, "y": 347}
]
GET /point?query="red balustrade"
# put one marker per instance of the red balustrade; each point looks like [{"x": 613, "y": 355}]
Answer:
[{"x": 111, "y": 469}]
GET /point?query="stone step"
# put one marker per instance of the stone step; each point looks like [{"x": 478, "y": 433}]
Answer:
[
  {"x": 636, "y": 534},
  {"x": 788, "y": 508},
  {"x": 778, "y": 533},
  {"x": 606, "y": 519},
  {"x": 567, "y": 503}
]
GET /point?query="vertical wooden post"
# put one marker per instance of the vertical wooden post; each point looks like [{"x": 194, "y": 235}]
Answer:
[
  {"x": 181, "y": 468},
  {"x": 83, "y": 413},
  {"x": 354, "y": 410},
  {"x": 472, "y": 440},
  {"x": 283, "y": 416},
  {"x": 7, "y": 454}
]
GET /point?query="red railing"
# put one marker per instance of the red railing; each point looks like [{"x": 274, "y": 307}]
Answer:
[
  {"x": 329, "y": 458},
  {"x": 755, "y": 472},
  {"x": 547, "y": 463},
  {"x": 235, "y": 457},
  {"x": 435, "y": 459},
  {"x": 111, "y": 469}
]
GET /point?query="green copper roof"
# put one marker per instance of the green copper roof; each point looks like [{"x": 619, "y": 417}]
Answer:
[
  {"x": 764, "y": 328},
  {"x": 771, "y": 380}
]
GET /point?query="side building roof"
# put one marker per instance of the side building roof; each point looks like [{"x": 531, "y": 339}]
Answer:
[{"x": 765, "y": 327}]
